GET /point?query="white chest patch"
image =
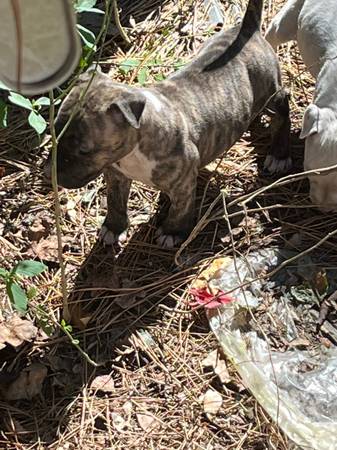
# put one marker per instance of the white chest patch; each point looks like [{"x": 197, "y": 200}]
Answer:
[{"x": 136, "y": 166}]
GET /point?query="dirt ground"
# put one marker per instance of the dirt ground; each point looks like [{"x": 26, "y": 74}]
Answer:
[{"x": 130, "y": 307}]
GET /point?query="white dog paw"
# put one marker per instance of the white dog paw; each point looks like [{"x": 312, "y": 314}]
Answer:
[
  {"x": 274, "y": 165},
  {"x": 108, "y": 237},
  {"x": 167, "y": 240}
]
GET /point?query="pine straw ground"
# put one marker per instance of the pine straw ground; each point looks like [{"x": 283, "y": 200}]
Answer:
[{"x": 140, "y": 288}]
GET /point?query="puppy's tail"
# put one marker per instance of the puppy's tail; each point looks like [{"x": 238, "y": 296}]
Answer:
[
  {"x": 253, "y": 17},
  {"x": 251, "y": 23}
]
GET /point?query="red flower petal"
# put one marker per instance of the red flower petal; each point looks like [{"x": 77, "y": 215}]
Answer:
[{"x": 208, "y": 300}]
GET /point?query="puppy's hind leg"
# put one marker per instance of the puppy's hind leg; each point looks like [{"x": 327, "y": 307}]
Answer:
[
  {"x": 114, "y": 228},
  {"x": 278, "y": 159}
]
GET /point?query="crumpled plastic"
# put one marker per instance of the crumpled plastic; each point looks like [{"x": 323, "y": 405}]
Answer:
[{"x": 297, "y": 388}]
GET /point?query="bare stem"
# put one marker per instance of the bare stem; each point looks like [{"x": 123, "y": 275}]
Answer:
[
  {"x": 57, "y": 210},
  {"x": 118, "y": 23}
]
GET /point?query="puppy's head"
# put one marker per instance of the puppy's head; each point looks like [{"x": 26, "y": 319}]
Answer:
[
  {"x": 101, "y": 122},
  {"x": 319, "y": 129}
]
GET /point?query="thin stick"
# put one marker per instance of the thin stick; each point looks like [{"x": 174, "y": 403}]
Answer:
[
  {"x": 57, "y": 210},
  {"x": 119, "y": 25}
]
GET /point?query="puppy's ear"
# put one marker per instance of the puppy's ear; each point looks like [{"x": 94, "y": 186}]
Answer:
[
  {"x": 310, "y": 123},
  {"x": 131, "y": 109}
]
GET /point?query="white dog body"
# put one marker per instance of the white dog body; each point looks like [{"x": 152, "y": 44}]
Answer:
[{"x": 313, "y": 24}]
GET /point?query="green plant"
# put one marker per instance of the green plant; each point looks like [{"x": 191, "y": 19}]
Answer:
[
  {"x": 3, "y": 114},
  {"x": 35, "y": 119},
  {"x": 87, "y": 36},
  {"x": 18, "y": 296}
]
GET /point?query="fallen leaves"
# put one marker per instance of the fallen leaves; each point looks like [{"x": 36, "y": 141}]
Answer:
[
  {"x": 28, "y": 384},
  {"x": 40, "y": 228},
  {"x": 103, "y": 383},
  {"x": 47, "y": 248},
  {"x": 147, "y": 422},
  {"x": 15, "y": 331},
  {"x": 212, "y": 402},
  {"x": 218, "y": 365},
  {"x": 118, "y": 422}
]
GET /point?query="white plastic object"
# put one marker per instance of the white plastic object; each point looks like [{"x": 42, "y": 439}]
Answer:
[
  {"x": 296, "y": 387},
  {"x": 40, "y": 46}
]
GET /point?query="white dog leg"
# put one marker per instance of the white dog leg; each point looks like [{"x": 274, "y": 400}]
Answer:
[{"x": 283, "y": 27}]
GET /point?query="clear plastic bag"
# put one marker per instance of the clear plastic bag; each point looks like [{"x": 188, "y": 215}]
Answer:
[{"x": 297, "y": 388}]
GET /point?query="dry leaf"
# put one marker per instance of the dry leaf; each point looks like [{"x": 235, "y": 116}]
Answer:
[
  {"x": 40, "y": 228},
  {"x": 46, "y": 249},
  {"x": 28, "y": 384},
  {"x": 127, "y": 408},
  {"x": 212, "y": 402},
  {"x": 147, "y": 422},
  {"x": 71, "y": 210},
  {"x": 118, "y": 422},
  {"x": 213, "y": 271},
  {"x": 15, "y": 331},
  {"x": 103, "y": 383},
  {"x": 320, "y": 281},
  {"x": 219, "y": 366},
  {"x": 299, "y": 342},
  {"x": 79, "y": 318}
]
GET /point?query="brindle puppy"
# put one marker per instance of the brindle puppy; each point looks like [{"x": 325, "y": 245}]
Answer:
[{"x": 162, "y": 135}]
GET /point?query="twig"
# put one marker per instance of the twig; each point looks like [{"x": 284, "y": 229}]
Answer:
[
  {"x": 118, "y": 23},
  {"x": 57, "y": 210}
]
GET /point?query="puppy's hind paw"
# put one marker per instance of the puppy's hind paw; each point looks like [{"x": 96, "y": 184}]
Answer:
[
  {"x": 168, "y": 241},
  {"x": 273, "y": 165},
  {"x": 109, "y": 238}
]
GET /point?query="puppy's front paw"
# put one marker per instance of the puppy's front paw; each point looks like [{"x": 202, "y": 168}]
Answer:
[
  {"x": 108, "y": 237},
  {"x": 273, "y": 165},
  {"x": 168, "y": 240}
]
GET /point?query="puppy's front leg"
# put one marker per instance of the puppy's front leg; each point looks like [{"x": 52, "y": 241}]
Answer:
[
  {"x": 181, "y": 215},
  {"x": 116, "y": 222}
]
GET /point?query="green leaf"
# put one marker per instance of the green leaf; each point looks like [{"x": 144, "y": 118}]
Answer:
[
  {"x": 43, "y": 320},
  {"x": 37, "y": 122},
  {"x": 143, "y": 75},
  {"x": 29, "y": 268},
  {"x": 91, "y": 10},
  {"x": 83, "y": 5},
  {"x": 17, "y": 296},
  {"x": 3, "y": 86},
  {"x": 31, "y": 293},
  {"x": 178, "y": 64},
  {"x": 87, "y": 36},
  {"x": 3, "y": 114},
  {"x": 3, "y": 273},
  {"x": 42, "y": 101},
  {"x": 159, "y": 77},
  {"x": 66, "y": 327},
  {"x": 20, "y": 100},
  {"x": 128, "y": 65}
]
